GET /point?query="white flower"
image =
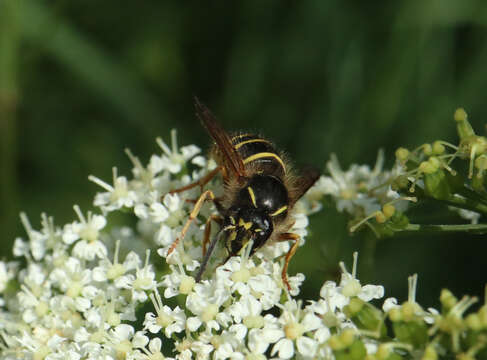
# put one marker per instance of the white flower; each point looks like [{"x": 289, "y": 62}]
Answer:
[
  {"x": 359, "y": 191},
  {"x": 88, "y": 230},
  {"x": 173, "y": 158},
  {"x": 168, "y": 319},
  {"x": 296, "y": 322},
  {"x": 7, "y": 273},
  {"x": 116, "y": 272},
  {"x": 205, "y": 302},
  {"x": 117, "y": 196},
  {"x": 351, "y": 285},
  {"x": 144, "y": 281}
]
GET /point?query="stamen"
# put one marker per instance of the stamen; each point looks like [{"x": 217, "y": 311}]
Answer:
[
  {"x": 163, "y": 146},
  {"x": 174, "y": 141},
  {"x": 412, "y": 285},
  {"x": 78, "y": 212},
  {"x": 101, "y": 183}
]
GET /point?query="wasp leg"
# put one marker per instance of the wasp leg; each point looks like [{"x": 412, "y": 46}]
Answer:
[
  {"x": 206, "y": 239},
  {"x": 207, "y": 195},
  {"x": 201, "y": 182},
  {"x": 289, "y": 255}
]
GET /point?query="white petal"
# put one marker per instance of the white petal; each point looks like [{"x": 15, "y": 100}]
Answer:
[
  {"x": 285, "y": 348},
  {"x": 306, "y": 346},
  {"x": 389, "y": 303},
  {"x": 193, "y": 323},
  {"x": 370, "y": 292}
]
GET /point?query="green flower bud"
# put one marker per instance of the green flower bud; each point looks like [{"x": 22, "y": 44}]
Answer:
[
  {"x": 357, "y": 350},
  {"x": 380, "y": 217},
  {"x": 385, "y": 352},
  {"x": 460, "y": 115},
  {"x": 464, "y": 128},
  {"x": 388, "y": 210},
  {"x": 347, "y": 347},
  {"x": 395, "y": 314},
  {"x": 353, "y": 307},
  {"x": 427, "y": 149},
  {"x": 427, "y": 167},
  {"x": 347, "y": 337},
  {"x": 430, "y": 353},
  {"x": 335, "y": 343},
  {"x": 438, "y": 148},
  {"x": 447, "y": 299},
  {"x": 481, "y": 162},
  {"x": 473, "y": 322},
  {"x": 402, "y": 154},
  {"x": 409, "y": 310},
  {"x": 400, "y": 182}
]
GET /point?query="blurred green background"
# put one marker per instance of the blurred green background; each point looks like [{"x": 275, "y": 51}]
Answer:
[{"x": 82, "y": 80}]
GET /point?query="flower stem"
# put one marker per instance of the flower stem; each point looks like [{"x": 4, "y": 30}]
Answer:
[
  {"x": 466, "y": 203},
  {"x": 470, "y": 228}
]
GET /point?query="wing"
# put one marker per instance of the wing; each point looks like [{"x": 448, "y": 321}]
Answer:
[
  {"x": 308, "y": 177},
  {"x": 231, "y": 158}
]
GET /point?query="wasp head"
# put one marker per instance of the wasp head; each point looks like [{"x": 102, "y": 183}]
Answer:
[{"x": 243, "y": 225}]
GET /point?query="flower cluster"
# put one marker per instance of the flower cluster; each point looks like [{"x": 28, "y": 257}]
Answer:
[{"x": 88, "y": 290}]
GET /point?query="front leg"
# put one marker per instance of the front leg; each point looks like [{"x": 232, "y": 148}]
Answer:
[
  {"x": 207, "y": 195},
  {"x": 284, "y": 237}
]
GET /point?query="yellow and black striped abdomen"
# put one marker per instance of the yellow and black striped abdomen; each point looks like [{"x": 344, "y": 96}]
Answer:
[{"x": 259, "y": 153}]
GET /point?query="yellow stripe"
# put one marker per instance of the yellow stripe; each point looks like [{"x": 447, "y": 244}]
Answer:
[
  {"x": 264, "y": 155},
  {"x": 239, "y": 145},
  {"x": 252, "y": 196},
  {"x": 279, "y": 211}
]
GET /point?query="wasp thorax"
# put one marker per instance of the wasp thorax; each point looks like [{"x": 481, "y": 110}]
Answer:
[{"x": 246, "y": 224}]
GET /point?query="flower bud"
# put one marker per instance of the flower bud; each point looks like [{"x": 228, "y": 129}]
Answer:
[
  {"x": 473, "y": 322},
  {"x": 430, "y": 353},
  {"x": 388, "y": 210},
  {"x": 380, "y": 217},
  {"x": 395, "y": 314},
  {"x": 438, "y": 148},
  {"x": 447, "y": 299},
  {"x": 400, "y": 182},
  {"x": 428, "y": 167},
  {"x": 427, "y": 149},
  {"x": 402, "y": 154},
  {"x": 463, "y": 126}
]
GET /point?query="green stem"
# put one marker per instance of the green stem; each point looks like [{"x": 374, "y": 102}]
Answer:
[
  {"x": 466, "y": 192},
  {"x": 466, "y": 203},
  {"x": 469, "y": 228}
]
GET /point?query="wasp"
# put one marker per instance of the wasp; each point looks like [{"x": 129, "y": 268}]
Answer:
[{"x": 260, "y": 191}]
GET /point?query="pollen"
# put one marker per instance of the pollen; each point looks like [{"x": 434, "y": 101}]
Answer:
[
  {"x": 293, "y": 330},
  {"x": 209, "y": 313},
  {"x": 186, "y": 285},
  {"x": 241, "y": 275}
]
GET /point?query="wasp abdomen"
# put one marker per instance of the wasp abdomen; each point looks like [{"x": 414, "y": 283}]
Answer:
[{"x": 259, "y": 152}]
